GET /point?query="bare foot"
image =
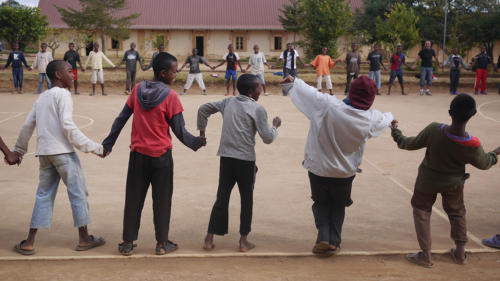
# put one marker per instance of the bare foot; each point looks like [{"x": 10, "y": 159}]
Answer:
[
  {"x": 227, "y": 94},
  {"x": 209, "y": 242},
  {"x": 27, "y": 245},
  {"x": 245, "y": 245},
  {"x": 404, "y": 94}
]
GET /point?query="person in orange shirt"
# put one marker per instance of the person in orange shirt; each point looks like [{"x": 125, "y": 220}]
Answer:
[{"x": 323, "y": 63}]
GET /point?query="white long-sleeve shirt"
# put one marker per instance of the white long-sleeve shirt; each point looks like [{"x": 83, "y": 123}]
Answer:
[
  {"x": 242, "y": 117},
  {"x": 42, "y": 59},
  {"x": 95, "y": 60},
  {"x": 338, "y": 132},
  {"x": 52, "y": 115}
]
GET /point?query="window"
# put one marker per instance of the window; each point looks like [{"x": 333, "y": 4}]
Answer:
[
  {"x": 239, "y": 43},
  {"x": 277, "y": 42},
  {"x": 115, "y": 45}
]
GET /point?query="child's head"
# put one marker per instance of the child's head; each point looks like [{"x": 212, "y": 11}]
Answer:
[
  {"x": 60, "y": 73},
  {"x": 249, "y": 85},
  {"x": 96, "y": 47},
  {"x": 462, "y": 108},
  {"x": 15, "y": 46},
  {"x": 165, "y": 67},
  {"x": 195, "y": 52},
  {"x": 354, "y": 47},
  {"x": 324, "y": 50},
  {"x": 132, "y": 46},
  {"x": 483, "y": 49},
  {"x": 362, "y": 92},
  {"x": 256, "y": 48},
  {"x": 455, "y": 51},
  {"x": 399, "y": 49},
  {"x": 71, "y": 46},
  {"x": 289, "y": 46},
  {"x": 376, "y": 47},
  {"x": 428, "y": 44},
  {"x": 230, "y": 48},
  {"x": 161, "y": 48},
  {"x": 43, "y": 46}
]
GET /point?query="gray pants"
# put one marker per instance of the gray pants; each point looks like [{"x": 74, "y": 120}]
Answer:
[
  {"x": 426, "y": 75},
  {"x": 130, "y": 80}
]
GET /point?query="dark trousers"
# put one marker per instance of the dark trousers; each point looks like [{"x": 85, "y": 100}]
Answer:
[
  {"x": 130, "y": 80},
  {"x": 17, "y": 74},
  {"x": 453, "y": 205},
  {"x": 142, "y": 171},
  {"x": 454, "y": 79},
  {"x": 348, "y": 81},
  {"x": 331, "y": 196},
  {"x": 233, "y": 171}
]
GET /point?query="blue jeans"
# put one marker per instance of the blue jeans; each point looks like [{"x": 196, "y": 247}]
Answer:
[
  {"x": 17, "y": 74},
  {"x": 42, "y": 76},
  {"x": 291, "y": 72},
  {"x": 53, "y": 168},
  {"x": 231, "y": 74},
  {"x": 425, "y": 75},
  {"x": 375, "y": 76}
]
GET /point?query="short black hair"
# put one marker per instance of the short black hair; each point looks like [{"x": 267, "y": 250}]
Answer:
[
  {"x": 247, "y": 82},
  {"x": 53, "y": 67},
  {"x": 71, "y": 43},
  {"x": 163, "y": 61},
  {"x": 462, "y": 108}
]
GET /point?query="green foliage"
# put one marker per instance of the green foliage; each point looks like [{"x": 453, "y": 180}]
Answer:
[
  {"x": 399, "y": 28},
  {"x": 23, "y": 25},
  {"x": 289, "y": 18},
  {"x": 98, "y": 17},
  {"x": 320, "y": 22},
  {"x": 483, "y": 29}
]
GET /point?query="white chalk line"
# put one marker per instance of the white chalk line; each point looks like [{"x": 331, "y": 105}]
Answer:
[
  {"x": 484, "y": 115},
  {"x": 440, "y": 213},
  {"x": 16, "y": 114},
  {"x": 231, "y": 255}
]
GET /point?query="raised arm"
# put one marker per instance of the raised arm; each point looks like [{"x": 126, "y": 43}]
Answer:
[
  {"x": 116, "y": 128},
  {"x": 380, "y": 122},
  {"x": 308, "y": 99},
  {"x": 411, "y": 143}
]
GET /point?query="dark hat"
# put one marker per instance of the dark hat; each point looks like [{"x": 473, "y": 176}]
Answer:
[{"x": 362, "y": 92}]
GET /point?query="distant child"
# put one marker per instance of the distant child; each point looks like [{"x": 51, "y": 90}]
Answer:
[
  {"x": 376, "y": 59},
  {"x": 353, "y": 66},
  {"x": 194, "y": 71},
  {"x": 448, "y": 149},
  {"x": 233, "y": 60},
  {"x": 290, "y": 56},
  {"x": 397, "y": 61},
  {"x": 57, "y": 135},
  {"x": 10, "y": 157},
  {"x": 95, "y": 58},
  {"x": 242, "y": 118},
  {"x": 426, "y": 67},
  {"x": 42, "y": 59},
  {"x": 339, "y": 130},
  {"x": 161, "y": 48},
  {"x": 323, "y": 63},
  {"x": 131, "y": 57},
  {"x": 455, "y": 61},
  {"x": 157, "y": 109},
  {"x": 72, "y": 57},
  {"x": 17, "y": 59},
  {"x": 257, "y": 61},
  {"x": 480, "y": 63}
]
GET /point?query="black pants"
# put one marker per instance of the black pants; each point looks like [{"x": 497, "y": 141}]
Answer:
[
  {"x": 130, "y": 80},
  {"x": 330, "y": 196},
  {"x": 348, "y": 82},
  {"x": 454, "y": 78},
  {"x": 142, "y": 171},
  {"x": 233, "y": 171}
]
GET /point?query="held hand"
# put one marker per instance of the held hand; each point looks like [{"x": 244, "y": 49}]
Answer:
[
  {"x": 202, "y": 134},
  {"x": 83, "y": 69},
  {"x": 394, "y": 124},
  {"x": 497, "y": 151},
  {"x": 243, "y": 71},
  {"x": 12, "y": 158},
  {"x": 116, "y": 67},
  {"x": 203, "y": 141},
  {"x": 288, "y": 79},
  {"x": 276, "y": 122}
]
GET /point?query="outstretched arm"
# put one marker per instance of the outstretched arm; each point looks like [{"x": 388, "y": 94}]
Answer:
[
  {"x": 116, "y": 128},
  {"x": 208, "y": 109},
  {"x": 182, "y": 67},
  {"x": 307, "y": 99},
  {"x": 483, "y": 160},
  {"x": 178, "y": 126},
  {"x": 411, "y": 143},
  {"x": 108, "y": 61}
]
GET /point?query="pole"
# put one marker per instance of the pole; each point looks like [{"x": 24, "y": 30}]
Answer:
[{"x": 444, "y": 30}]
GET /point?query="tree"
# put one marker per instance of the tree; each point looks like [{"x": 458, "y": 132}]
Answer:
[
  {"x": 53, "y": 40},
  {"x": 399, "y": 28},
  {"x": 320, "y": 22},
  {"x": 98, "y": 17},
  {"x": 289, "y": 18},
  {"x": 483, "y": 29},
  {"x": 23, "y": 25}
]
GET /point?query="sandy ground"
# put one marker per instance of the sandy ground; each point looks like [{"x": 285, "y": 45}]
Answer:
[{"x": 379, "y": 221}]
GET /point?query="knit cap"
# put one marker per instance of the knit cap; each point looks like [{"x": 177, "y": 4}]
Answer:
[{"x": 362, "y": 92}]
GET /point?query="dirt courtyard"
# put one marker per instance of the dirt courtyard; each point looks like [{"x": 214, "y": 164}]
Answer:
[{"x": 378, "y": 228}]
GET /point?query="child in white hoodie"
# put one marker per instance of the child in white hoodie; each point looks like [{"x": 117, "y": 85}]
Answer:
[{"x": 334, "y": 149}]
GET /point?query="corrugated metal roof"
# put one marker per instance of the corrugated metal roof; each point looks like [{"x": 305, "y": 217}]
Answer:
[{"x": 192, "y": 14}]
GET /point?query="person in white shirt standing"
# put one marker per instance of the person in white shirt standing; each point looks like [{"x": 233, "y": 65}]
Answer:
[
  {"x": 257, "y": 61},
  {"x": 334, "y": 149},
  {"x": 290, "y": 56},
  {"x": 42, "y": 59},
  {"x": 57, "y": 134},
  {"x": 95, "y": 58}
]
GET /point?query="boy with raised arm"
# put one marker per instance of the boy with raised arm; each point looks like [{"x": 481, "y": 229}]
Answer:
[
  {"x": 95, "y": 58},
  {"x": 194, "y": 71},
  {"x": 242, "y": 117}
]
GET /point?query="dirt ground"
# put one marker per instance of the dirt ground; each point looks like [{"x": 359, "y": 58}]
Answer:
[{"x": 379, "y": 222}]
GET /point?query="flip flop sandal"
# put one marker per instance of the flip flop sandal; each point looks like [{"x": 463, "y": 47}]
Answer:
[
  {"x": 22, "y": 251},
  {"x": 331, "y": 252},
  {"x": 321, "y": 248},
  {"x": 493, "y": 242},
  {"x": 94, "y": 242},
  {"x": 454, "y": 258},
  {"x": 413, "y": 258},
  {"x": 126, "y": 249},
  {"x": 165, "y": 249}
]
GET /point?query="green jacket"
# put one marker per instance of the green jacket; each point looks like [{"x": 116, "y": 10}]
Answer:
[{"x": 443, "y": 167}]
